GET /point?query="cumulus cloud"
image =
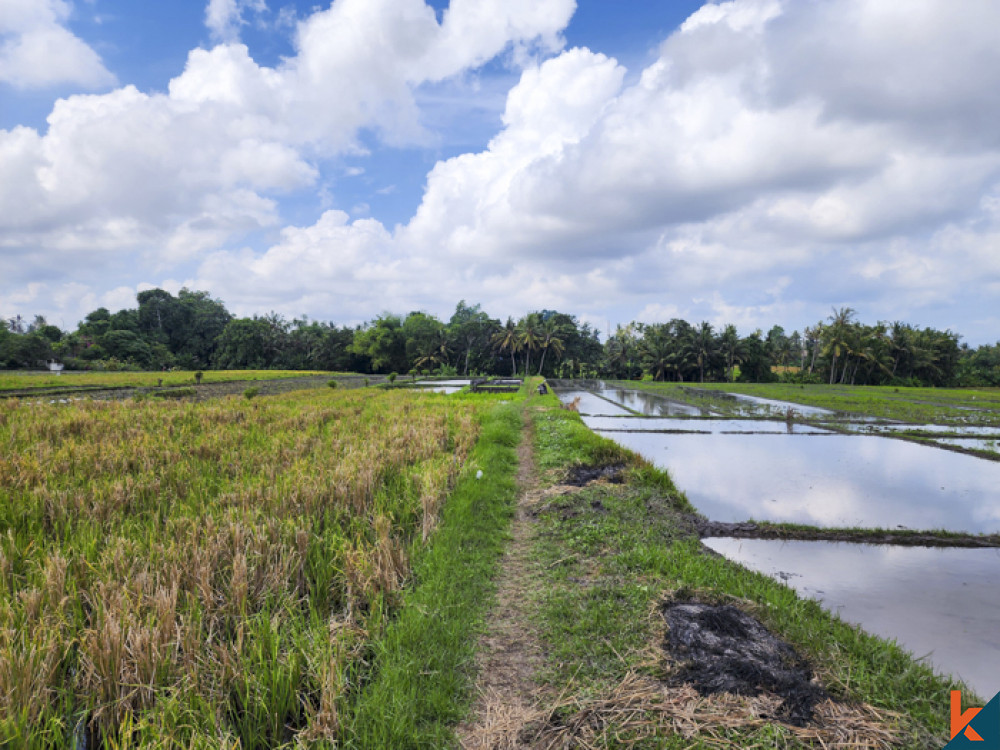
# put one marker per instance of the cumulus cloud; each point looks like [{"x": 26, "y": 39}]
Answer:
[
  {"x": 225, "y": 17},
  {"x": 37, "y": 50},
  {"x": 162, "y": 178},
  {"x": 776, "y": 158}
]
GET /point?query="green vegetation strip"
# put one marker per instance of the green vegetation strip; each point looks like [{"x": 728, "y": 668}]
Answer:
[
  {"x": 803, "y": 532},
  {"x": 91, "y": 380},
  {"x": 422, "y": 674},
  {"x": 609, "y": 555}
]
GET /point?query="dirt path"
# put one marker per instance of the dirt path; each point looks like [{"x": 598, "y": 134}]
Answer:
[{"x": 509, "y": 653}]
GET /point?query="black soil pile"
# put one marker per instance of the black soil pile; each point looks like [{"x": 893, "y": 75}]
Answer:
[
  {"x": 580, "y": 476},
  {"x": 723, "y": 649}
]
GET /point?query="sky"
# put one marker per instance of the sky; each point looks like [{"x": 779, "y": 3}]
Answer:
[{"x": 755, "y": 162}]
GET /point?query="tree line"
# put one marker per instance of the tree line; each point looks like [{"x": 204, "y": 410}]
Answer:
[{"x": 194, "y": 331}]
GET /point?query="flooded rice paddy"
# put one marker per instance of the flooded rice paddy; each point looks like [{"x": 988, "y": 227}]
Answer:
[
  {"x": 591, "y": 403},
  {"x": 937, "y": 603},
  {"x": 826, "y": 480},
  {"x": 442, "y": 386},
  {"x": 707, "y": 426}
]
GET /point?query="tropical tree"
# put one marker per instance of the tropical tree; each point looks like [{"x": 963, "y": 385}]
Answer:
[
  {"x": 552, "y": 335},
  {"x": 508, "y": 339},
  {"x": 529, "y": 334},
  {"x": 729, "y": 344},
  {"x": 836, "y": 337},
  {"x": 704, "y": 347}
]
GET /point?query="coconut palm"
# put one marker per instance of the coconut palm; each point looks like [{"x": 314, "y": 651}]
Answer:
[
  {"x": 729, "y": 343},
  {"x": 552, "y": 335},
  {"x": 529, "y": 334},
  {"x": 507, "y": 339},
  {"x": 703, "y": 347}
]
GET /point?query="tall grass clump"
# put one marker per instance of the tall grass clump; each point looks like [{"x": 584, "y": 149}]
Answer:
[{"x": 210, "y": 574}]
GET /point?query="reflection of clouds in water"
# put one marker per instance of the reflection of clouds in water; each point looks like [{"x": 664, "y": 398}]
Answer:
[
  {"x": 933, "y": 601},
  {"x": 827, "y": 480},
  {"x": 771, "y": 405},
  {"x": 648, "y": 403},
  {"x": 591, "y": 404},
  {"x": 696, "y": 425}
]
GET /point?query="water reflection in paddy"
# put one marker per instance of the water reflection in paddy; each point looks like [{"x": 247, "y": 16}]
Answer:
[
  {"x": 827, "y": 480},
  {"x": 993, "y": 446},
  {"x": 591, "y": 403},
  {"x": 442, "y": 386},
  {"x": 650, "y": 404},
  {"x": 697, "y": 425},
  {"x": 771, "y": 404},
  {"x": 938, "y": 602}
]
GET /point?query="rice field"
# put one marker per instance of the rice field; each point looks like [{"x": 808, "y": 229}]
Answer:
[
  {"x": 209, "y": 574},
  {"x": 17, "y": 381}
]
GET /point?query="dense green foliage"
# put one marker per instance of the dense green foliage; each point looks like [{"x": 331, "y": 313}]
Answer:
[{"x": 193, "y": 331}]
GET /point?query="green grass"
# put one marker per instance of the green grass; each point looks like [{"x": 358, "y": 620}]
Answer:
[
  {"x": 421, "y": 676},
  {"x": 609, "y": 555}
]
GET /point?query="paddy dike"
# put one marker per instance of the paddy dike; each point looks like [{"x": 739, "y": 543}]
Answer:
[
  {"x": 205, "y": 391},
  {"x": 900, "y": 537}
]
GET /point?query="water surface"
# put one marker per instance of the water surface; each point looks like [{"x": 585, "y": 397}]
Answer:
[
  {"x": 665, "y": 424},
  {"x": 591, "y": 403},
  {"x": 827, "y": 480},
  {"x": 938, "y": 603},
  {"x": 772, "y": 405},
  {"x": 650, "y": 404}
]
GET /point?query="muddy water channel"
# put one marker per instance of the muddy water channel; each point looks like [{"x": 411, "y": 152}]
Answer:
[{"x": 938, "y": 602}]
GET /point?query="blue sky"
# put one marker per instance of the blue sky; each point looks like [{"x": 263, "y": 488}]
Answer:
[{"x": 757, "y": 161}]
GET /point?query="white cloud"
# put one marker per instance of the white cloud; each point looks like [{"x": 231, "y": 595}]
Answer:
[
  {"x": 37, "y": 50},
  {"x": 225, "y": 17},
  {"x": 161, "y": 179},
  {"x": 776, "y": 159}
]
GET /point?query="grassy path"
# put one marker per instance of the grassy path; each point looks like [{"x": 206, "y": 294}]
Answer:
[
  {"x": 577, "y": 648},
  {"x": 509, "y": 652}
]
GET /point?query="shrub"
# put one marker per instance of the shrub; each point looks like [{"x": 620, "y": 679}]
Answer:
[
  {"x": 250, "y": 392},
  {"x": 331, "y": 383}
]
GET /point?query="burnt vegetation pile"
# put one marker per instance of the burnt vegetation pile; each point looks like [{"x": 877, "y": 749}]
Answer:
[
  {"x": 580, "y": 476},
  {"x": 722, "y": 649}
]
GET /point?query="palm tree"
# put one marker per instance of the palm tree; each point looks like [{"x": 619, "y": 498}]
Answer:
[
  {"x": 837, "y": 333},
  {"x": 704, "y": 347},
  {"x": 729, "y": 342},
  {"x": 551, "y": 335},
  {"x": 507, "y": 339},
  {"x": 435, "y": 352},
  {"x": 529, "y": 334},
  {"x": 657, "y": 350}
]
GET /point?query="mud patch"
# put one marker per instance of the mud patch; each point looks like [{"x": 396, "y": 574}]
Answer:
[
  {"x": 722, "y": 649},
  {"x": 580, "y": 476}
]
